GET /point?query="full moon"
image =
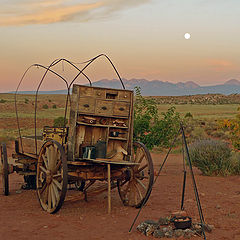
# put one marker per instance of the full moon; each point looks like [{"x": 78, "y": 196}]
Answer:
[{"x": 187, "y": 35}]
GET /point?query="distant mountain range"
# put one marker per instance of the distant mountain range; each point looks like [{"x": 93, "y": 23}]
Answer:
[{"x": 161, "y": 88}]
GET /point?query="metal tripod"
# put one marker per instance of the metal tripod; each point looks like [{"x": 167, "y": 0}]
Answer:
[{"x": 186, "y": 151}]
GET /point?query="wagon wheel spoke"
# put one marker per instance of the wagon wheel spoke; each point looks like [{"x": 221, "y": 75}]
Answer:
[
  {"x": 45, "y": 193},
  {"x": 57, "y": 175},
  {"x": 45, "y": 160},
  {"x": 141, "y": 168},
  {"x": 43, "y": 169},
  {"x": 57, "y": 184},
  {"x": 52, "y": 176},
  {"x": 49, "y": 198},
  {"x": 55, "y": 190},
  {"x": 141, "y": 184},
  {"x": 58, "y": 165},
  {"x": 53, "y": 196},
  {"x": 139, "y": 192},
  {"x": 42, "y": 189}
]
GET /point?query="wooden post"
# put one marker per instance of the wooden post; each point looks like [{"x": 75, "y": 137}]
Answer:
[{"x": 109, "y": 188}]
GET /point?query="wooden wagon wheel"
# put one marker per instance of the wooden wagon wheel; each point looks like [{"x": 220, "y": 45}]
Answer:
[
  {"x": 139, "y": 179},
  {"x": 52, "y": 176},
  {"x": 4, "y": 169}
]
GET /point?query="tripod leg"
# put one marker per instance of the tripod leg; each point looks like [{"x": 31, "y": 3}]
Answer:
[{"x": 194, "y": 184}]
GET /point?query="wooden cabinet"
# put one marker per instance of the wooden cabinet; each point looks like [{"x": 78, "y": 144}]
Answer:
[{"x": 102, "y": 114}]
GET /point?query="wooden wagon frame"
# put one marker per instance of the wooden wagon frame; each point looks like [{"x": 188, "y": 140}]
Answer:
[{"x": 95, "y": 144}]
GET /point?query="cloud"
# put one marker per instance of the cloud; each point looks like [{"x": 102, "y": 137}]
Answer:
[
  {"x": 27, "y": 12},
  {"x": 219, "y": 64}
]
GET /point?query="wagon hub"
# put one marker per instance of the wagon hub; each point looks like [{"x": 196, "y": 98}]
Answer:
[{"x": 48, "y": 177}]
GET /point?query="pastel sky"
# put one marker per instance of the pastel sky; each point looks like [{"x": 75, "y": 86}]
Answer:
[{"x": 144, "y": 38}]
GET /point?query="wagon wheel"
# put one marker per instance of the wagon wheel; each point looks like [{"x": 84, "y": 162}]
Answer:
[
  {"x": 4, "y": 169},
  {"x": 137, "y": 186},
  {"x": 52, "y": 176}
]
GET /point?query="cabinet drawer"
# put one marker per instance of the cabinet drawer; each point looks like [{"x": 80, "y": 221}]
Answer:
[
  {"x": 124, "y": 95},
  {"x": 99, "y": 93},
  {"x": 86, "y": 91},
  {"x": 104, "y": 107},
  {"x": 86, "y": 105},
  {"x": 121, "y": 109}
]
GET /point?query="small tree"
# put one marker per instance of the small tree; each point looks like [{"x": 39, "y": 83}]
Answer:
[
  {"x": 59, "y": 122},
  {"x": 150, "y": 127}
]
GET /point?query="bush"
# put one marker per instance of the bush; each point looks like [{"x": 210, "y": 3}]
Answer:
[
  {"x": 45, "y": 106},
  {"x": 188, "y": 115},
  {"x": 150, "y": 127},
  {"x": 212, "y": 157},
  {"x": 26, "y": 101},
  {"x": 54, "y": 106},
  {"x": 2, "y": 101},
  {"x": 198, "y": 133},
  {"x": 59, "y": 122}
]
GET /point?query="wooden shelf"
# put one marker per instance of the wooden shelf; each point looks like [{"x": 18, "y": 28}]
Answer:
[
  {"x": 102, "y": 115},
  {"x": 100, "y": 125},
  {"x": 117, "y": 138}
]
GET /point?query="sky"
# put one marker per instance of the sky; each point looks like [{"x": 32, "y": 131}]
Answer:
[{"x": 143, "y": 38}]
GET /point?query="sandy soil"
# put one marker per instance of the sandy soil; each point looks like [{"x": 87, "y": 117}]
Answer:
[{"x": 21, "y": 216}]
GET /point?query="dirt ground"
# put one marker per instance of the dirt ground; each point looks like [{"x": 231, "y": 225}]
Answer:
[{"x": 21, "y": 216}]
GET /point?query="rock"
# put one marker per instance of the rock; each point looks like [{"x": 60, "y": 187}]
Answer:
[
  {"x": 159, "y": 234},
  {"x": 163, "y": 221},
  {"x": 142, "y": 227},
  {"x": 208, "y": 228},
  {"x": 178, "y": 233},
  {"x": 165, "y": 229},
  {"x": 169, "y": 234},
  {"x": 188, "y": 233},
  {"x": 218, "y": 206},
  {"x": 150, "y": 230},
  {"x": 147, "y": 227},
  {"x": 150, "y": 222}
]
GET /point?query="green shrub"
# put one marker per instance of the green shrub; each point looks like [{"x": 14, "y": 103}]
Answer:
[
  {"x": 198, "y": 133},
  {"x": 235, "y": 160},
  {"x": 59, "y": 122},
  {"x": 54, "y": 106},
  {"x": 45, "y": 106},
  {"x": 26, "y": 101},
  {"x": 150, "y": 127},
  {"x": 2, "y": 101},
  {"x": 212, "y": 157},
  {"x": 188, "y": 115}
]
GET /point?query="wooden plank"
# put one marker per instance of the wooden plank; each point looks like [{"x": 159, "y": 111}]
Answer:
[
  {"x": 72, "y": 122},
  {"x": 109, "y": 188}
]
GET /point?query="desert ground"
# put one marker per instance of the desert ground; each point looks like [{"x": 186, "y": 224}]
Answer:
[{"x": 22, "y": 217}]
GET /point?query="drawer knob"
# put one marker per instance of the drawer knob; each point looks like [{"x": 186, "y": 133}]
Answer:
[
  {"x": 104, "y": 108},
  {"x": 86, "y": 105},
  {"x": 121, "y": 109}
]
